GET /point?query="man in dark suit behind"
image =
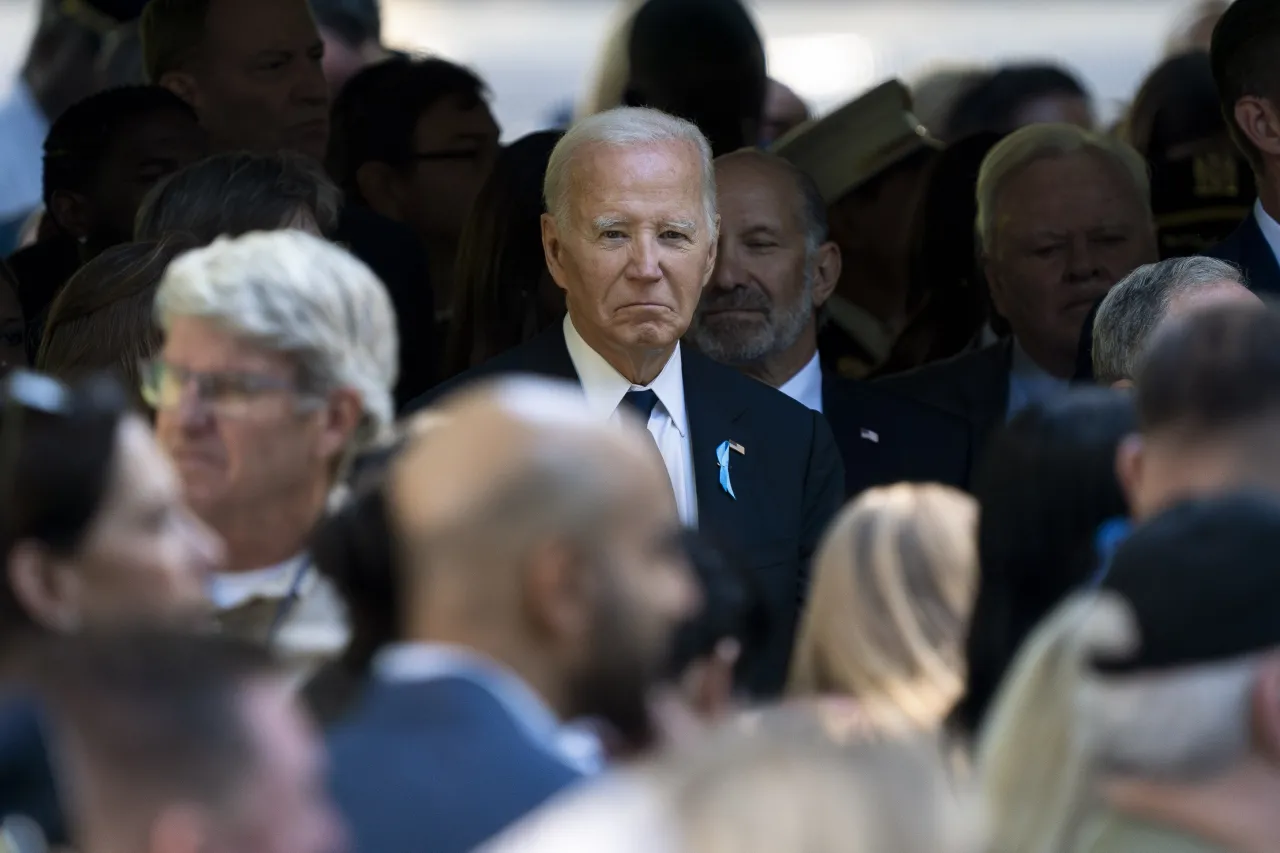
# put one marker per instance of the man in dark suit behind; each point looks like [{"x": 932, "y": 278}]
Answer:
[
  {"x": 631, "y": 239},
  {"x": 543, "y": 579},
  {"x": 774, "y": 268}
]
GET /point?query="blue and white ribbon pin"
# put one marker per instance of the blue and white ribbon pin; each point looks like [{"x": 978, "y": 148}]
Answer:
[{"x": 722, "y": 458}]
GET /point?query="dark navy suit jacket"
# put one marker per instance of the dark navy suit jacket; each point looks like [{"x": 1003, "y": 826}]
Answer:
[
  {"x": 789, "y": 482},
  {"x": 1249, "y": 250},
  {"x": 437, "y": 766}
]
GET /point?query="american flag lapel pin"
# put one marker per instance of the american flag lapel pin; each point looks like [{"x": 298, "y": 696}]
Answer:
[
  {"x": 737, "y": 448},
  {"x": 870, "y": 435}
]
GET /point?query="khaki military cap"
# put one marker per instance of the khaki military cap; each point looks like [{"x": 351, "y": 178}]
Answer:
[{"x": 844, "y": 150}]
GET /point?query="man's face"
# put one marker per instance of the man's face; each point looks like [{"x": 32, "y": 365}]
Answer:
[
  {"x": 760, "y": 298},
  {"x": 257, "y": 81},
  {"x": 636, "y": 247},
  {"x": 1066, "y": 229},
  {"x": 142, "y": 153},
  {"x": 645, "y": 590},
  {"x": 454, "y": 146},
  {"x": 236, "y": 448},
  {"x": 283, "y": 805}
]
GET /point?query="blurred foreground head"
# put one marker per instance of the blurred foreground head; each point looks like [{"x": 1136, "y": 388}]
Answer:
[
  {"x": 177, "y": 743},
  {"x": 545, "y": 540}
]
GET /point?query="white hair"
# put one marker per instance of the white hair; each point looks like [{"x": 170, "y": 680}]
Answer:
[
  {"x": 1136, "y": 305},
  {"x": 1040, "y": 141},
  {"x": 624, "y": 127},
  {"x": 1058, "y": 725},
  {"x": 294, "y": 293}
]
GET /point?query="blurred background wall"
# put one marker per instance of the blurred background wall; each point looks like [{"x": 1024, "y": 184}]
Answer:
[{"x": 826, "y": 50}]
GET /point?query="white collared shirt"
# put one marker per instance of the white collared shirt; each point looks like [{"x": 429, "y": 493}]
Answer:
[
  {"x": 1269, "y": 227},
  {"x": 806, "y": 386},
  {"x": 605, "y": 387},
  {"x": 408, "y": 662},
  {"x": 23, "y": 128},
  {"x": 315, "y": 627},
  {"x": 1030, "y": 383}
]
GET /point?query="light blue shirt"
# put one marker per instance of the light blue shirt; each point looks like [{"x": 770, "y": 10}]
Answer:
[
  {"x": 574, "y": 745},
  {"x": 1030, "y": 383},
  {"x": 23, "y": 128}
]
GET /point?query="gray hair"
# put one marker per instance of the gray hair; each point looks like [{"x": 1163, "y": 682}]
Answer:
[
  {"x": 1136, "y": 305},
  {"x": 297, "y": 294},
  {"x": 624, "y": 126},
  {"x": 236, "y": 193},
  {"x": 1040, "y": 141}
]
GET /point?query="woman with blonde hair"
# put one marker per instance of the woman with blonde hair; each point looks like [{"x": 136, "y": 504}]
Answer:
[{"x": 889, "y": 608}]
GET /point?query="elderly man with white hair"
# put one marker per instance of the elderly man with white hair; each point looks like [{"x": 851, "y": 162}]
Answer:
[
  {"x": 1148, "y": 296},
  {"x": 1063, "y": 214},
  {"x": 631, "y": 239},
  {"x": 277, "y": 368}
]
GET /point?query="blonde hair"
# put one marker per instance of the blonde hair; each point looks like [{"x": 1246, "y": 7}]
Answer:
[
  {"x": 890, "y": 604},
  {"x": 1056, "y": 724},
  {"x": 1037, "y": 142}
]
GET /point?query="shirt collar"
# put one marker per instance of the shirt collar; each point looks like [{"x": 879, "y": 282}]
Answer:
[
  {"x": 605, "y": 387},
  {"x": 1269, "y": 227},
  {"x": 229, "y": 590},
  {"x": 402, "y": 662},
  {"x": 806, "y": 386},
  {"x": 1025, "y": 369}
]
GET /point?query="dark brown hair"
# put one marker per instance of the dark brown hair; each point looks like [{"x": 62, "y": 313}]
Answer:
[{"x": 102, "y": 318}]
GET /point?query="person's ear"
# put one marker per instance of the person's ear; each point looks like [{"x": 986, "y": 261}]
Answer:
[
  {"x": 343, "y": 414},
  {"x": 183, "y": 84},
  {"x": 1266, "y": 707},
  {"x": 1258, "y": 120},
  {"x": 826, "y": 272},
  {"x": 48, "y": 591},
  {"x": 73, "y": 213},
  {"x": 1129, "y": 461},
  {"x": 379, "y": 186},
  {"x": 553, "y": 249},
  {"x": 559, "y": 594}
]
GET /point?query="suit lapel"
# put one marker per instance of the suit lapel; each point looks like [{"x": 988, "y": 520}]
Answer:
[
  {"x": 714, "y": 417},
  {"x": 548, "y": 355},
  {"x": 1256, "y": 257}
]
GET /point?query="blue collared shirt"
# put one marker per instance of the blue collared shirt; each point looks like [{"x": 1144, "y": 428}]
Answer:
[
  {"x": 573, "y": 745},
  {"x": 1030, "y": 383}
]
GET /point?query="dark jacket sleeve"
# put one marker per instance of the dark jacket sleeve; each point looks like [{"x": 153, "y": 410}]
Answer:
[{"x": 823, "y": 495}]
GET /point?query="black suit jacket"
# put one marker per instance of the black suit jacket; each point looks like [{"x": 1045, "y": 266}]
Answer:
[
  {"x": 789, "y": 483},
  {"x": 885, "y": 437},
  {"x": 1248, "y": 249},
  {"x": 973, "y": 385}
]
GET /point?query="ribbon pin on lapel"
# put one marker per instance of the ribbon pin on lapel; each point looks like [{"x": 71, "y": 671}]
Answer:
[{"x": 722, "y": 458}]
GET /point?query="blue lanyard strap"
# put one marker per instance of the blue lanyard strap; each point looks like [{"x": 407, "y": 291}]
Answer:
[{"x": 1111, "y": 534}]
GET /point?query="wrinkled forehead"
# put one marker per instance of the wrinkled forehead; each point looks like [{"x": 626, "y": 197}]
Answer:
[
  {"x": 665, "y": 178},
  {"x": 241, "y": 27}
]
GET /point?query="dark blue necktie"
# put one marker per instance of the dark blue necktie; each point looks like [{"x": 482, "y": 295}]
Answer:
[{"x": 641, "y": 402}]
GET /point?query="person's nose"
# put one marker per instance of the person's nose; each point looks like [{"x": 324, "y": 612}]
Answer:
[
  {"x": 1083, "y": 263},
  {"x": 193, "y": 411},
  {"x": 645, "y": 255},
  {"x": 311, "y": 87},
  {"x": 728, "y": 272}
]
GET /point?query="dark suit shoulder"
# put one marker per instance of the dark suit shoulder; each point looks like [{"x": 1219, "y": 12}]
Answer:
[
  {"x": 536, "y": 356},
  {"x": 943, "y": 379},
  {"x": 750, "y": 393}
]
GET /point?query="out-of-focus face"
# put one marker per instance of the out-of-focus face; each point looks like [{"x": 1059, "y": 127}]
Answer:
[
  {"x": 760, "y": 298},
  {"x": 145, "y": 556},
  {"x": 143, "y": 153},
  {"x": 1055, "y": 109},
  {"x": 455, "y": 144},
  {"x": 1065, "y": 230},
  {"x": 636, "y": 247},
  {"x": 783, "y": 110},
  {"x": 283, "y": 804},
  {"x": 645, "y": 590},
  {"x": 257, "y": 82},
  {"x": 235, "y": 421}
]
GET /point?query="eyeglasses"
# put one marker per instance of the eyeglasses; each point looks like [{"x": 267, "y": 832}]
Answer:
[{"x": 226, "y": 394}]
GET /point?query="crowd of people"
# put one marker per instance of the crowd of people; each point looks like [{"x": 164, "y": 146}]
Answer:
[{"x": 699, "y": 477}]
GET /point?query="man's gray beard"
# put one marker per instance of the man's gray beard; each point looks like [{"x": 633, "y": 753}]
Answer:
[{"x": 728, "y": 345}]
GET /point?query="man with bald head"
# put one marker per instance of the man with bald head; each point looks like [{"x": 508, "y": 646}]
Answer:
[
  {"x": 630, "y": 237},
  {"x": 775, "y": 268},
  {"x": 543, "y": 576}
]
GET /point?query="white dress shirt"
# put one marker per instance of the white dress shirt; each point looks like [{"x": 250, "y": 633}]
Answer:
[
  {"x": 23, "y": 128},
  {"x": 1269, "y": 227},
  {"x": 806, "y": 386},
  {"x": 314, "y": 629},
  {"x": 668, "y": 422},
  {"x": 409, "y": 662},
  {"x": 1030, "y": 383}
]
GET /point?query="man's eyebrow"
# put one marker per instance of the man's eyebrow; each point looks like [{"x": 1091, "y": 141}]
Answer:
[
  {"x": 604, "y": 223},
  {"x": 680, "y": 224}
]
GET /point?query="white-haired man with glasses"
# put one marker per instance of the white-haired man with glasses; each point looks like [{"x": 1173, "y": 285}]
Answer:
[{"x": 279, "y": 358}]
